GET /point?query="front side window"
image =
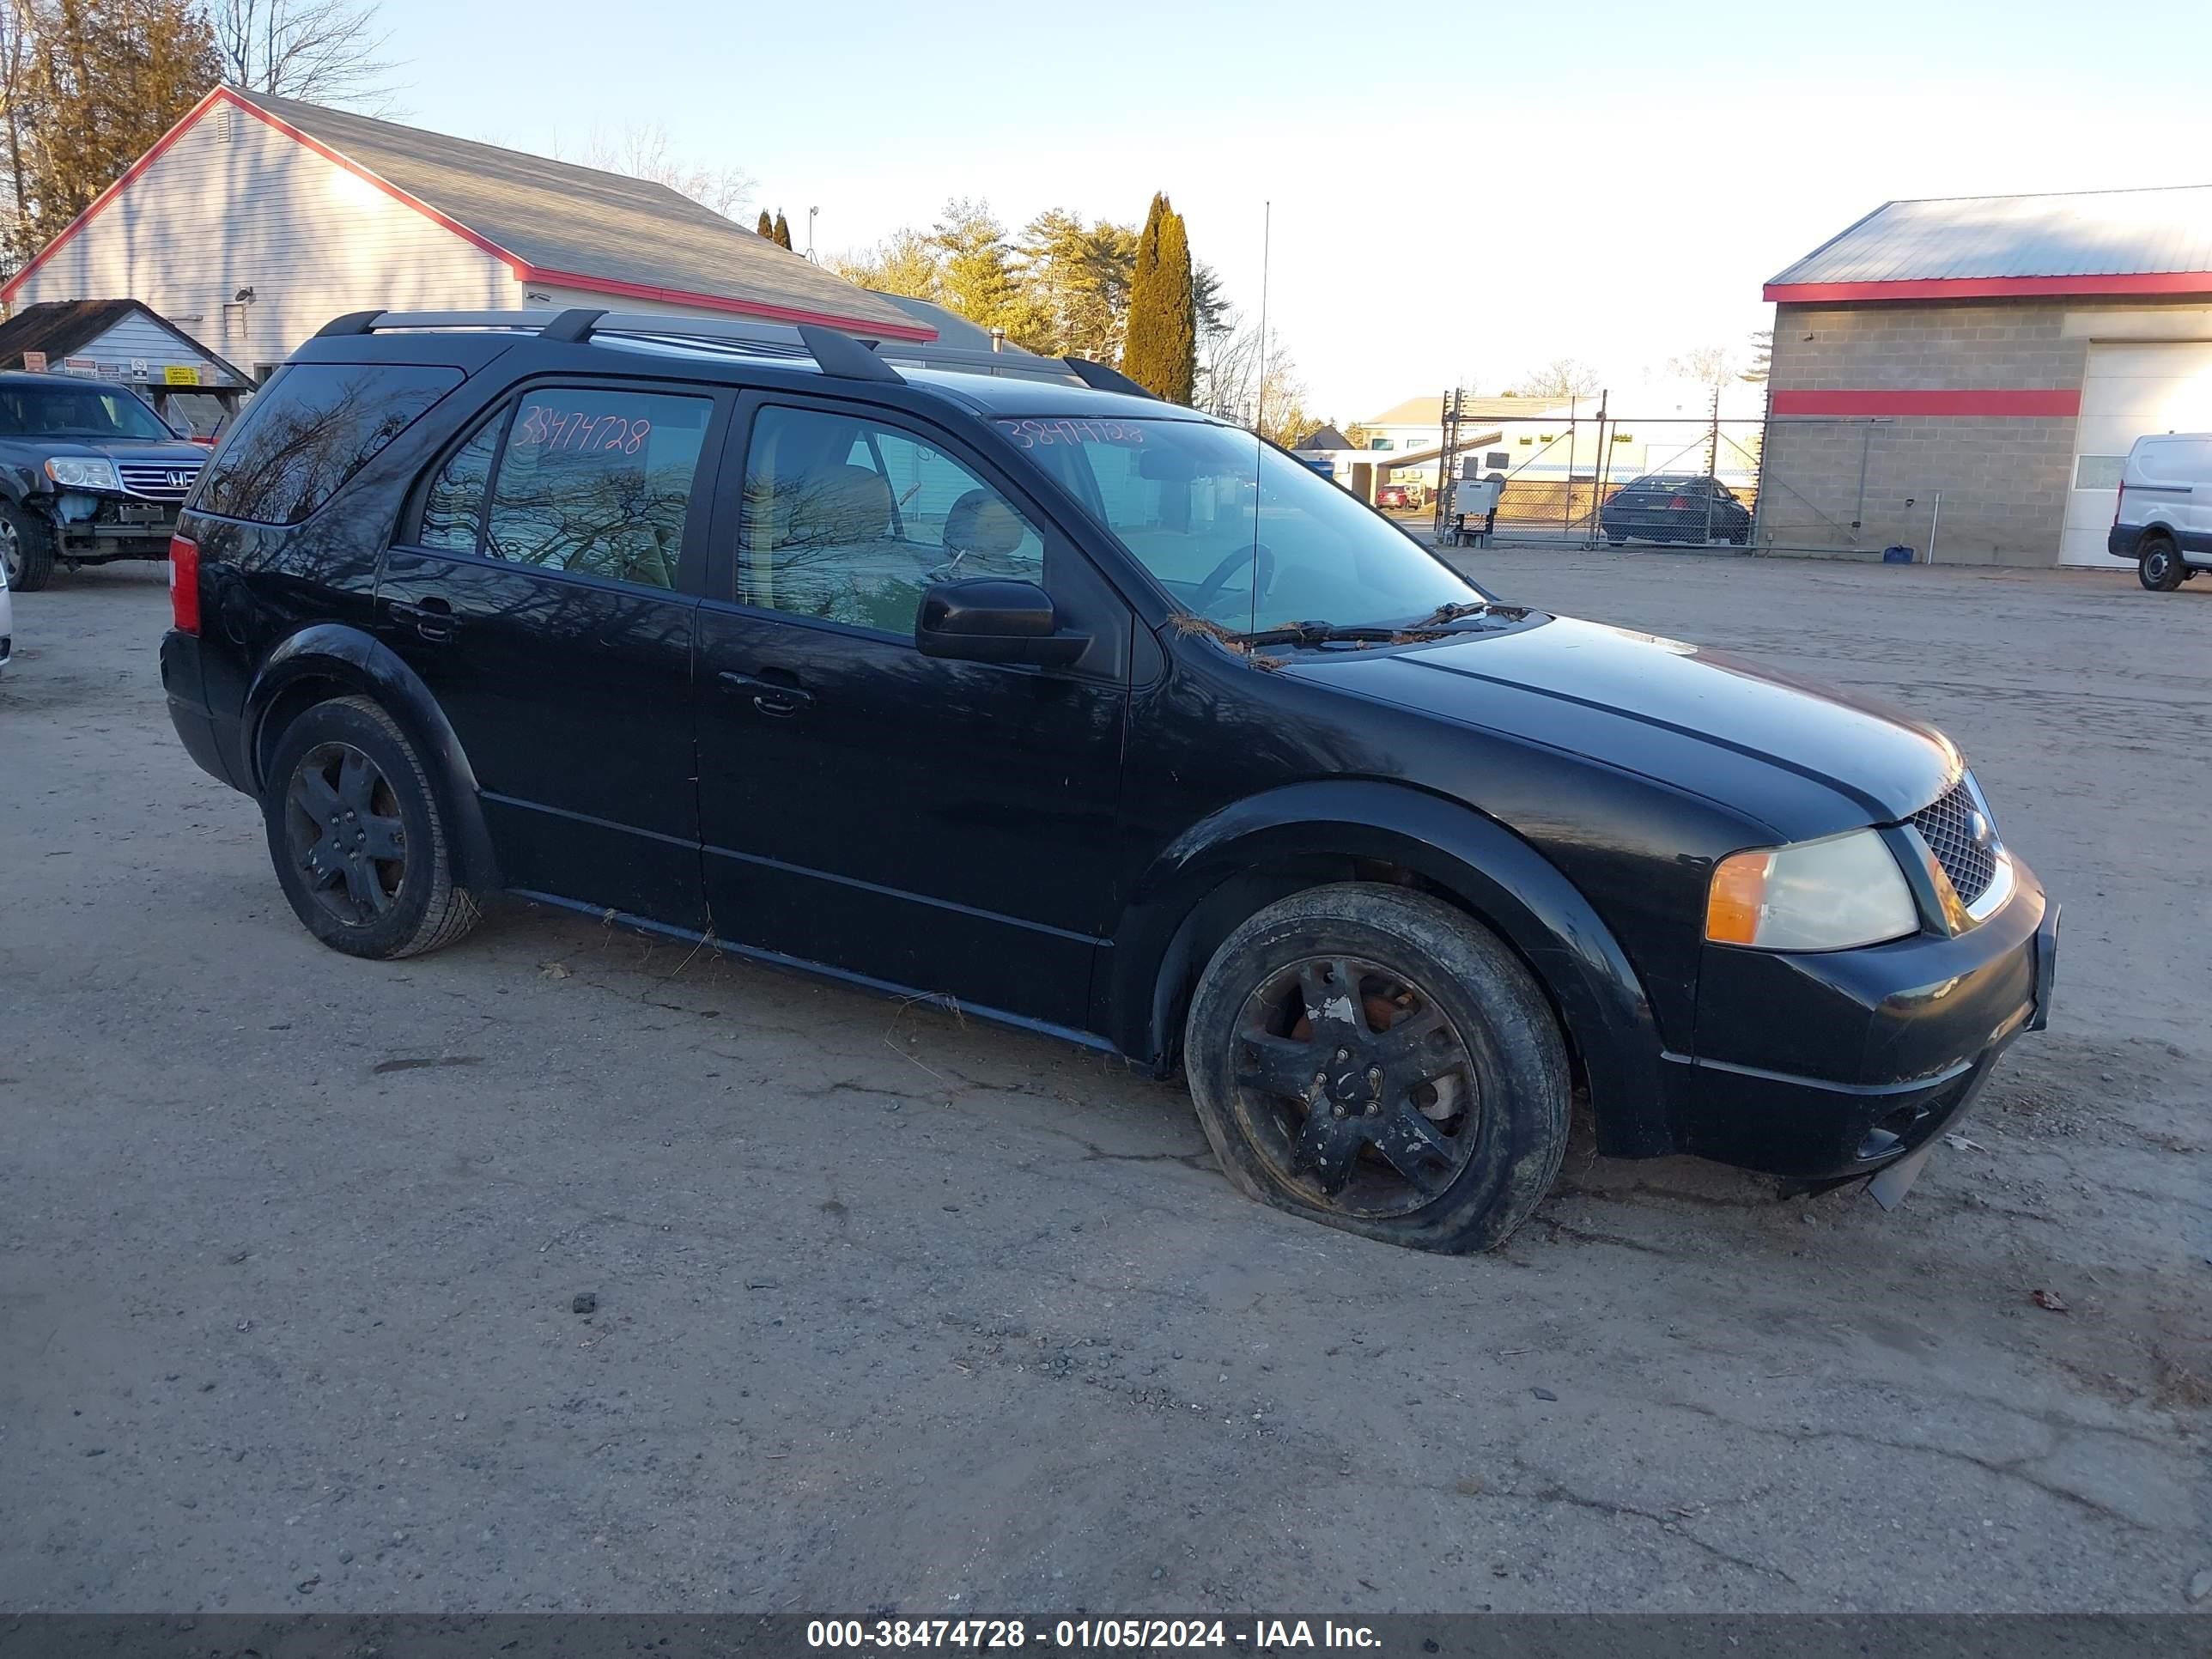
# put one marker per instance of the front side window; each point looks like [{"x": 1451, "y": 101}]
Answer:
[
  {"x": 1237, "y": 532},
  {"x": 848, "y": 520},
  {"x": 596, "y": 483},
  {"x": 310, "y": 430}
]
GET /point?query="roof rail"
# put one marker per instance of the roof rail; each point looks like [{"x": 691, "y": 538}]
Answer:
[{"x": 842, "y": 356}]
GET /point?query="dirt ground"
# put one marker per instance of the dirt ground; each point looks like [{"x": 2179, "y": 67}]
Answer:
[{"x": 894, "y": 1312}]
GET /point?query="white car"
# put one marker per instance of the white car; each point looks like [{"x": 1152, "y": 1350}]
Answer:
[
  {"x": 2163, "y": 520},
  {"x": 7, "y": 620}
]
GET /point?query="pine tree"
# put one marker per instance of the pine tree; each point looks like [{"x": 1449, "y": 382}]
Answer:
[
  {"x": 782, "y": 229},
  {"x": 1161, "y": 349},
  {"x": 766, "y": 229},
  {"x": 979, "y": 277}
]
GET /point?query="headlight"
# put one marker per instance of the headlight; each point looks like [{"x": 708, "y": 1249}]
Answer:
[
  {"x": 83, "y": 473},
  {"x": 1816, "y": 896}
]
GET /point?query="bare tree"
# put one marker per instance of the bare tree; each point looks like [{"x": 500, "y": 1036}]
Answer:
[
  {"x": 1563, "y": 377},
  {"x": 1712, "y": 365},
  {"x": 645, "y": 151},
  {"x": 326, "y": 51}
]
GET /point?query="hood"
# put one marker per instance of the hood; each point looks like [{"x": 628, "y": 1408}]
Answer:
[
  {"x": 119, "y": 449},
  {"x": 1678, "y": 712}
]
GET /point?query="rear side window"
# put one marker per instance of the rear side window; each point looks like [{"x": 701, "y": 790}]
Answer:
[
  {"x": 310, "y": 430},
  {"x": 594, "y": 481}
]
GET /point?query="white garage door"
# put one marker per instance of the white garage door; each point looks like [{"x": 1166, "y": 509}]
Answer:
[{"x": 2129, "y": 390}]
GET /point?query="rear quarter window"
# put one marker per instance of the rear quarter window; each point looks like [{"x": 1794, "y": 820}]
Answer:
[{"x": 311, "y": 428}]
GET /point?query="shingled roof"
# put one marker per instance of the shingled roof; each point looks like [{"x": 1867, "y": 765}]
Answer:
[
  {"x": 59, "y": 327},
  {"x": 560, "y": 224}
]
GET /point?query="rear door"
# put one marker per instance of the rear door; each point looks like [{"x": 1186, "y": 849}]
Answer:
[
  {"x": 543, "y": 585},
  {"x": 946, "y": 826}
]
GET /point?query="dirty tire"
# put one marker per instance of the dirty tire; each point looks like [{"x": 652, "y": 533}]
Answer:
[
  {"x": 28, "y": 548},
  {"x": 1510, "y": 1039},
  {"x": 2160, "y": 567},
  {"x": 422, "y": 907}
]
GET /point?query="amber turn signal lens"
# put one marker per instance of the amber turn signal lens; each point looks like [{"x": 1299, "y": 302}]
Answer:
[{"x": 1739, "y": 891}]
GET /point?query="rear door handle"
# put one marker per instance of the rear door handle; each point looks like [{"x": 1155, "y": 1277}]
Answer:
[
  {"x": 777, "y": 698},
  {"x": 433, "y": 617}
]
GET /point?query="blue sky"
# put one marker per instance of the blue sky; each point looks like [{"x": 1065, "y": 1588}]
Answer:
[{"x": 1460, "y": 192}]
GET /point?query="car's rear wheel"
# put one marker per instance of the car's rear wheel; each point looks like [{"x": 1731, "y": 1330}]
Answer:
[
  {"x": 358, "y": 835},
  {"x": 2160, "y": 567},
  {"x": 27, "y": 549},
  {"x": 1369, "y": 1057}
]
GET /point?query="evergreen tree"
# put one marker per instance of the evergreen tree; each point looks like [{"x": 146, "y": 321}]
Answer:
[
  {"x": 1161, "y": 348},
  {"x": 782, "y": 229},
  {"x": 766, "y": 229},
  {"x": 95, "y": 83},
  {"x": 979, "y": 278}
]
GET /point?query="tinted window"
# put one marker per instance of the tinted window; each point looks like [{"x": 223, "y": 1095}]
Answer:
[
  {"x": 849, "y": 521},
  {"x": 597, "y": 483},
  {"x": 310, "y": 430},
  {"x": 69, "y": 412},
  {"x": 452, "y": 508}
]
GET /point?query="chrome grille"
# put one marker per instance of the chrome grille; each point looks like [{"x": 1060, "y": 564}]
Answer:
[
  {"x": 160, "y": 480},
  {"x": 1948, "y": 827}
]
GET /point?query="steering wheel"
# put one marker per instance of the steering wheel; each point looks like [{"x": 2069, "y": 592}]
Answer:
[{"x": 1263, "y": 562}]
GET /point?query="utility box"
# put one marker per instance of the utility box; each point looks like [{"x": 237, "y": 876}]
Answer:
[{"x": 1476, "y": 498}]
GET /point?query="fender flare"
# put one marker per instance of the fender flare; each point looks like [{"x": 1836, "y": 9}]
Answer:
[
  {"x": 1489, "y": 870},
  {"x": 351, "y": 662}
]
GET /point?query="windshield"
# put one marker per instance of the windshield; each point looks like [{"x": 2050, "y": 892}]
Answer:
[
  {"x": 68, "y": 411},
  {"x": 1236, "y": 532}
]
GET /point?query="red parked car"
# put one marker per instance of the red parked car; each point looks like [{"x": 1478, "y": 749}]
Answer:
[{"x": 1394, "y": 497}]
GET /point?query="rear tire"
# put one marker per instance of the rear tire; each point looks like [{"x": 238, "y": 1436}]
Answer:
[
  {"x": 1443, "y": 1136},
  {"x": 359, "y": 836},
  {"x": 27, "y": 547},
  {"x": 2160, "y": 567}
]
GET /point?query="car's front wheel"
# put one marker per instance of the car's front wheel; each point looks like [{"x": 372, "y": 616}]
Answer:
[
  {"x": 358, "y": 835},
  {"x": 27, "y": 549},
  {"x": 2160, "y": 567},
  {"x": 1369, "y": 1057}
]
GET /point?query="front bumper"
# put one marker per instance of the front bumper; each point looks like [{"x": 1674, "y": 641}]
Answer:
[
  {"x": 119, "y": 528},
  {"x": 1836, "y": 1064}
]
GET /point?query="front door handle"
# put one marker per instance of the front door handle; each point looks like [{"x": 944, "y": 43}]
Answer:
[
  {"x": 433, "y": 617},
  {"x": 778, "y": 699}
]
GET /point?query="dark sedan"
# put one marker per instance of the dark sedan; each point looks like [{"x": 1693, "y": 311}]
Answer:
[{"x": 1676, "y": 507}]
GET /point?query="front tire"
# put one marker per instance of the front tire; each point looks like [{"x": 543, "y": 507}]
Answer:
[
  {"x": 1368, "y": 1057},
  {"x": 359, "y": 837},
  {"x": 26, "y": 548},
  {"x": 2160, "y": 569}
]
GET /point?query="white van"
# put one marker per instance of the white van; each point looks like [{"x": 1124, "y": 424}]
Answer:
[{"x": 2164, "y": 519}]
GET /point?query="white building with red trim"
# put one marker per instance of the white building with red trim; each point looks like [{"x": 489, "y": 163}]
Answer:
[
  {"x": 256, "y": 220},
  {"x": 1966, "y": 375}
]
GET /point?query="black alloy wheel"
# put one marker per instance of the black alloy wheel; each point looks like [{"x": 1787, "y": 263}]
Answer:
[
  {"x": 1373, "y": 1106},
  {"x": 344, "y": 832}
]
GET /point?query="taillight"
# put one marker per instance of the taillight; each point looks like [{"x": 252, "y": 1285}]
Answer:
[{"x": 185, "y": 584}]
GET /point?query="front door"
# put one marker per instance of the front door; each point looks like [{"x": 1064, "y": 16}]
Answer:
[
  {"x": 544, "y": 586},
  {"x": 941, "y": 826}
]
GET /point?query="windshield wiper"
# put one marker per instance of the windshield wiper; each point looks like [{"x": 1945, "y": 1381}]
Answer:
[{"x": 1431, "y": 626}]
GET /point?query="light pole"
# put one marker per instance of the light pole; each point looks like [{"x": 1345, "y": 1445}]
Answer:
[{"x": 810, "y": 212}]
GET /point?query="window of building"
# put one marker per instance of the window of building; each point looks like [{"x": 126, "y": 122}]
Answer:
[
  {"x": 849, "y": 521},
  {"x": 310, "y": 430},
  {"x": 1383, "y": 443},
  {"x": 1496, "y": 458},
  {"x": 596, "y": 483},
  {"x": 2098, "y": 471}
]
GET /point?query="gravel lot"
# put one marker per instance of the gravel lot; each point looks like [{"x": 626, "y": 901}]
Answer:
[{"x": 894, "y": 1312}]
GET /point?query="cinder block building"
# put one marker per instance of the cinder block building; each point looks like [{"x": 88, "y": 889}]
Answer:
[{"x": 2000, "y": 353}]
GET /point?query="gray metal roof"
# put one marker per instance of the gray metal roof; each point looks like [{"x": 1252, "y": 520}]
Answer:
[
  {"x": 952, "y": 329},
  {"x": 568, "y": 221},
  {"x": 2108, "y": 233}
]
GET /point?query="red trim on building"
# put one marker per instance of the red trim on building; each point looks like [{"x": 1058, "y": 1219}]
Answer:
[
  {"x": 2000, "y": 403},
  {"x": 524, "y": 272},
  {"x": 2134, "y": 284}
]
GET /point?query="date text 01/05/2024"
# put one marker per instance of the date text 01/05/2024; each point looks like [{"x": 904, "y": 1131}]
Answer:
[{"x": 1085, "y": 1635}]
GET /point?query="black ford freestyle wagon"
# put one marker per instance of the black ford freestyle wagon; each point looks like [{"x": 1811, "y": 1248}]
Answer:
[{"x": 990, "y": 678}]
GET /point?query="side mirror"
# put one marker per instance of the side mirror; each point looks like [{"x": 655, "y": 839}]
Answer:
[{"x": 987, "y": 619}]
